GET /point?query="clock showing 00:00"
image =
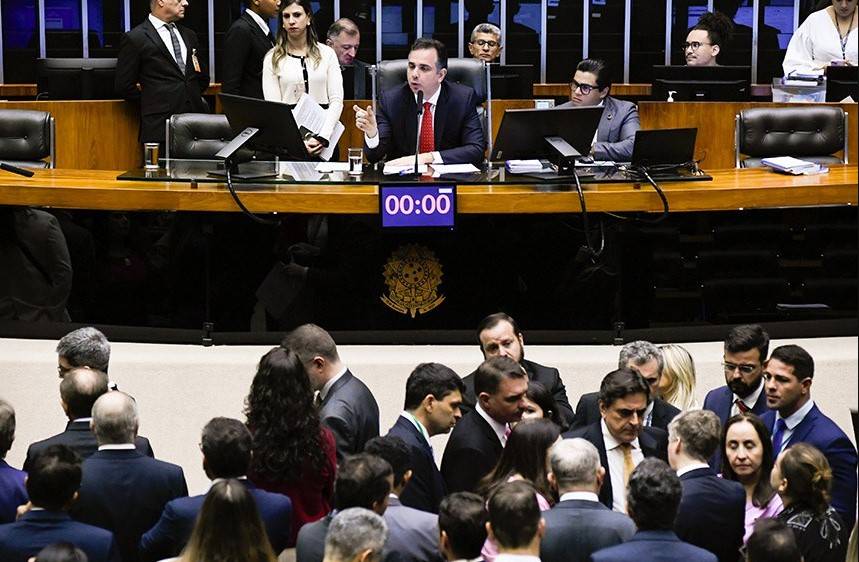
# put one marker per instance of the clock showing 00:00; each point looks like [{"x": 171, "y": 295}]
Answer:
[{"x": 417, "y": 206}]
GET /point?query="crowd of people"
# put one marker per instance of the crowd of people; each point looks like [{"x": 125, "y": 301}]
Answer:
[{"x": 760, "y": 473}]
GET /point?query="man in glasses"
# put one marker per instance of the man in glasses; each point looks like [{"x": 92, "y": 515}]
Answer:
[
  {"x": 615, "y": 135},
  {"x": 485, "y": 43}
]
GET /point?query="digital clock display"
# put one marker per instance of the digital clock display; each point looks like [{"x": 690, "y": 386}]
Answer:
[{"x": 417, "y": 206}]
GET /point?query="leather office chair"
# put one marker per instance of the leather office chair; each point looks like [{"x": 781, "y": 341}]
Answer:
[
  {"x": 27, "y": 138},
  {"x": 196, "y": 136},
  {"x": 811, "y": 133}
]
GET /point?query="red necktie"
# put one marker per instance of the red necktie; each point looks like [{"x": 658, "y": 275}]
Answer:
[
  {"x": 427, "y": 143},
  {"x": 741, "y": 406}
]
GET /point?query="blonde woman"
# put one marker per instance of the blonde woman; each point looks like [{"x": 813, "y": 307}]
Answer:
[{"x": 677, "y": 383}]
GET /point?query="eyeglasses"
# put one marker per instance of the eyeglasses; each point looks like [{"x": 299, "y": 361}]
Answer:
[
  {"x": 694, "y": 45},
  {"x": 63, "y": 370},
  {"x": 585, "y": 89},
  {"x": 484, "y": 42},
  {"x": 745, "y": 369}
]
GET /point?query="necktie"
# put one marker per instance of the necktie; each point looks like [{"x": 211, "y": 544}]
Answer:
[
  {"x": 427, "y": 143},
  {"x": 317, "y": 399},
  {"x": 741, "y": 406},
  {"x": 177, "y": 49},
  {"x": 507, "y": 429},
  {"x": 628, "y": 463},
  {"x": 778, "y": 435},
  {"x": 270, "y": 37}
]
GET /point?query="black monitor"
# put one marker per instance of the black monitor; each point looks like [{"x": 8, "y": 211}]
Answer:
[
  {"x": 76, "y": 79},
  {"x": 842, "y": 81},
  {"x": 702, "y": 83},
  {"x": 512, "y": 81},
  {"x": 664, "y": 147}
]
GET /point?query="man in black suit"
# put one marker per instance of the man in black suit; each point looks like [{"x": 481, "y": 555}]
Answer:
[
  {"x": 122, "y": 490},
  {"x": 450, "y": 129},
  {"x": 499, "y": 336},
  {"x": 79, "y": 390},
  {"x": 433, "y": 398},
  {"x": 159, "y": 65},
  {"x": 620, "y": 436},
  {"x": 476, "y": 443},
  {"x": 345, "y": 38},
  {"x": 708, "y": 502},
  {"x": 579, "y": 525},
  {"x": 647, "y": 359},
  {"x": 346, "y": 405},
  {"x": 245, "y": 45},
  {"x": 462, "y": 526}
]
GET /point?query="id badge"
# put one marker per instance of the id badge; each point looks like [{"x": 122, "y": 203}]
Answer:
[{"x": 195, "y": 61}]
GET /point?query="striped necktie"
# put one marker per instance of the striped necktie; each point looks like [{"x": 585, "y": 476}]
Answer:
[{"x": 177, "y": 49}]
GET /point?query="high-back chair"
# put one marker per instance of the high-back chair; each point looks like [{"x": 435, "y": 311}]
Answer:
[{"x": 27, "y": 138}]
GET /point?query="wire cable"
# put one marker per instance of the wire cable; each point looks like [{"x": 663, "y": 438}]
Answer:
[{"x": 245, "y": 210}]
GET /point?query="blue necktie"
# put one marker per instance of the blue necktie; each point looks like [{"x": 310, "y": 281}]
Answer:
[{"x": 778, "y": 435}]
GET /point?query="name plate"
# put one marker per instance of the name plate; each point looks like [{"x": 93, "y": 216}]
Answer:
[{"x": 417, "y": 205}]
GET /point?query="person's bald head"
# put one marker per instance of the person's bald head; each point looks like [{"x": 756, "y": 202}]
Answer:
[
  {"x": 114, "y": 419},
  {"x": 79, "y": 390}
]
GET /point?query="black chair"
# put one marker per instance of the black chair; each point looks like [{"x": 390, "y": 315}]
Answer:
[
  {"x": 836, "y": 293},
  {"x": 27, "y": 138},
  {"x": 196, "y": 136},
  {"x": 76, "y": 79},
  {"x": 811, "y": 133}
]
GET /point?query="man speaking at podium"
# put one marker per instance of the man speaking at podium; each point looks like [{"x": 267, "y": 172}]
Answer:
[{"x": 450, "y": 130}]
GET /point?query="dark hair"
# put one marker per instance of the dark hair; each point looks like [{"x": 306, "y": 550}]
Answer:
[
  {"x": 808, "y": 475},
  {"x": 699, "y": 430},
  {"x": 493, "y": 320},
  {"x": 310, "y": 340},
  {"x": 85, "y": 347},
  {"x": 514, "y": 514},
  {"x": 772, "y": 541},
  {"x": 796, "y": 357},
  {"x": 362, "y": 480},
  {"x": 281, "y": 43},
  {"x": 653, "y": 495},
  {"x": 719, "y": 28},
  {"x": 227, "y": 445},
  {"x": 462, "y": 515},
  {"x": 763, "y": 491},
  {"x": 7, "y": 427},
  {"x": 394, "y": 450},
  {"x": 440, "y": 50},
  {"x": 490, "y": 373},
  {"x": 282, "y": 418},
  {"x": 620, "y": 383},
  {"x": 80, "y": 388},
  {"x": 54, "y": 477},
  {"x": 524, "y": 455},
  {"x": 747, "y": 337},
  {"x": 598, "y": 68},
  {"x": 61, "y": 552},
  {"x": 540, "y": 395},
  {"x": 431, "y": 378}
]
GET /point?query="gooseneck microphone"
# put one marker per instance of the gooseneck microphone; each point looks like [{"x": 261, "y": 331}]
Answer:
[{"x": 420, "y": 101}]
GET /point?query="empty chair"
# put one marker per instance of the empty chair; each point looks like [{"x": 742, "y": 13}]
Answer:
[
  {"x": 743, "y": 299},
  {"x": 27, "y": 138},
  {"x": 197, "y": 136}
]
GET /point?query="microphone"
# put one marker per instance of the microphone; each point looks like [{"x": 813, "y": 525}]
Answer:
[{"x": 420, "y": 102}]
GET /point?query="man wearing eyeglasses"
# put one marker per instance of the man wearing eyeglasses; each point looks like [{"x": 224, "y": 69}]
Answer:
[
  {"x": 615, "y": 135},
  {"x": 485, "y": 43}
]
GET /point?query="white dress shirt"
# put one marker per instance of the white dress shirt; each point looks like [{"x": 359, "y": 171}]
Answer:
[
  {"x": 164, "y": 33},
  {"x": 117, "y": 447},
  {"x": 499, "y": 428},
  {"x": 418, "y": 425},
  {"x": 324, "y": 392},
  {"x": 614, "y": 452},
  {"x": 260, "y": 22},
  {"x": 749, "y": 400},
  {"x": 584, "y": 496},
  {"x": 791, "y": 422},
  {"x": 691, "y": 467},
  {"x": 516, "y": 558},
  {"x": 433, "y": 101}
]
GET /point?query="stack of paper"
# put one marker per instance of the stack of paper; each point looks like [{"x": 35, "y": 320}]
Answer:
[
  {"x": 523, "y": 166},
  {"x": 311, "y": 116},
  {"x": 393, "y": 169},
  {"x": 791, "y": 165}
]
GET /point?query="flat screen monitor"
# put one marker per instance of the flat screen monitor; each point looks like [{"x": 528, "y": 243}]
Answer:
[
  {"x": 664, "y": 147},
  {"x": 523, "y": 132},
  {"x": 842, "y": 81},
  {"x": 702, "y": 83},
  {"x": 512, "y": 81},
  {"x": 278, "y": 133},
  {"x": 76, "y": 79}
]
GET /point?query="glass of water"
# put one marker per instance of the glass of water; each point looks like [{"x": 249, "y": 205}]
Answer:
[{"x": 356, "y": 161}]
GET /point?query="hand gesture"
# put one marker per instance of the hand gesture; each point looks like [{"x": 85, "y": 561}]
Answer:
[{"x": 366, "y": 120}]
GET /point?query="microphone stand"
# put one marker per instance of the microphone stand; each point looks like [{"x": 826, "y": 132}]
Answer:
[{"x": 418, "y": 135}]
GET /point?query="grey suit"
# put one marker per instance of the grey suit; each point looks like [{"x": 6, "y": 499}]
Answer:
[
  {"x": 351, "y": 413},
  {"x": 616, "y": 130},
  {"x": 411, "y": 532},
  {"x": 310, "y": 545},
  {"x": 575, "y": 529}
]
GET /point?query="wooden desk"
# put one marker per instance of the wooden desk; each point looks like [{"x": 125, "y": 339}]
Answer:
[
  {"x": 18, "y": 90},
  {"x": 730, "y": 190},
  {"x": 629, "y": 90}
]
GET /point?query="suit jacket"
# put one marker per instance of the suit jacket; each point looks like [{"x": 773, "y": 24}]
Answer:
[
  {"x": 125, "y": 492},
  {"x": 170, "y": 535},
  {"x": 13, "y": 492},
  {"x": 709, "y": 503},
  {"x": 588, "y": 412},
  {"x": 79, "y": 437},
  {"x": 426, "y": 488},
  {"x": 310, "y": 546},
  {"x": 351, "y": 413},
  {"x": 37, "y": 529},
  {"x": 164, "y": 90},
  {"x": 457, "y": 130},
  {"x": 575, "y": 529},
  {"x": 616, "y": 130},
  {"x": 245, "y": 45},
  {"x": 547, "y": 376},
  {"x": 652, "y": 440},
  {"x": 818, "y": 430},
  {"x": 412, "y": 533},
  {"x": 720, "y": 400},
  {"x": 654, "y": 546},
  {"x": 472, "y": 452},
  {"x": 356, "y": 88}
]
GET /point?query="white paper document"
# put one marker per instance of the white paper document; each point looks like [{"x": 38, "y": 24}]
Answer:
[
  {"x": 391, "y": 169},
  {"x": 328, "y": 167},
  {"x": 442, "y": 169},
  {"x": 523, "y": 166},
  {"x": 311, "y": 116},
  {"x": 300, "y": 171}
]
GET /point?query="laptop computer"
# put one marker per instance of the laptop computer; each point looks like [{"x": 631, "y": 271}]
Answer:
[{"x": 664, "y": 147}]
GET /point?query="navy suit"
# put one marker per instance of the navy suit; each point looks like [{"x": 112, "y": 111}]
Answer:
[
  {"x": 654, "y": 546},
  {"x": 721, "y": 400},
  {"x": 125, "y": 492},
  {"x": 171, "y": 533},
  {"x": 472, "y": 452},
  {"x": 818, "y": 430},
  {"x": 710, "y": 503},
  {"x": 426, "y": 488},
  {"x": 577, "y": 528},
  {"x": 351, "y": 413},
  {"x": 412, "y": 533},
  {"x": 12, "y": 491},
  {"x": 616, "y": 130},
  {"x": 456, "y": 127},
  {"x": 245, "y": 46},
  {"x": 588, "y": 412},
  {"x": 37, "y": 529}
]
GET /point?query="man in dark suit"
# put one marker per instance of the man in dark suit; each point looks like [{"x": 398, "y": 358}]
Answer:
[
  {"x": 159, "y": 65},
  {"x": 462, "y": 526},
  {"x": 226, "y": 445},
  {"x": 579, "y": 525},
  {"x": 355, "y": 535},
  {"x": 515, "y": 525},
  {"x": 432, "y": 407},
  {"x": 79, "y": 390},
  {"x": 476, "y": 443},
  {"x": 654, "y": 494},
  {"x": 122, "y": 490},
  {"x": 346, "y": 405},
  {"x": 450, "y": 129},
  {"x": 345, "y": 38},
  {"x": 13, "y": 492},
  {"x": 620, "y": 435},
  {"x": 708, "y": 502},
  {"x": 647, "y": 359},
  {"x": 53, "y": 484},
  {"x": 795, "y": 418},
  {"x": 499, "y": 336},
  {"x": 245, "y": 45}
]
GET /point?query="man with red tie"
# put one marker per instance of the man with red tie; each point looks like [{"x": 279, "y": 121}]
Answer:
[{"x": 450, "y": 131}]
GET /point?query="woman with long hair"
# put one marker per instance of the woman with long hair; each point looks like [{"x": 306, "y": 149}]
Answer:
[
  {"x": 540, "y": 404},
  {"x": 677, "y": 383},
  {"x": 293, "y": 453},
  {"x": 747, "y": 457}
]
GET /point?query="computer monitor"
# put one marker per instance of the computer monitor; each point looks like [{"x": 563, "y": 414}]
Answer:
[
  {"x": 842, "y": 81},
  {"x": 664, "y": 147},
  {"x": 76, "y": 79},
  {"x": 524, "y": 133},
  {"x": 512, "y": 81},
  {"x": 702, "y": 83}
]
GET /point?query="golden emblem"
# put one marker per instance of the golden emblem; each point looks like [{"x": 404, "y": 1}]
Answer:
[{"x": 412, "y": 275}]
